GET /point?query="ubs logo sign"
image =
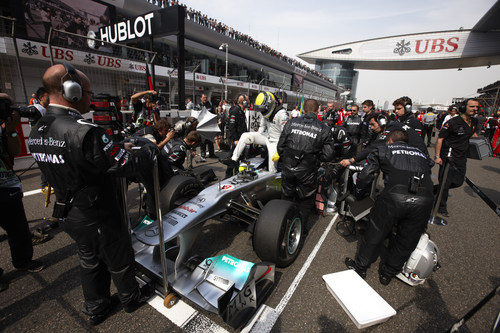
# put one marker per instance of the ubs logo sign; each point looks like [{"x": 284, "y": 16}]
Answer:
[
  {"x": 435, "y": 45},
  {"x": 402, "y": 48}
]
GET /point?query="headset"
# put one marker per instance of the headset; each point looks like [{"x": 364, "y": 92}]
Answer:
[
  {"x": 408, "y": 103},
  {"x": 71, "y": 88},
  {"x": 382, "y": 119},
  {"x": 462, "y": 106}
]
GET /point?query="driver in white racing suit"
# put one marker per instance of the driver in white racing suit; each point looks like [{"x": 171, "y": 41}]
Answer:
[{"x": 274, "y": 118}]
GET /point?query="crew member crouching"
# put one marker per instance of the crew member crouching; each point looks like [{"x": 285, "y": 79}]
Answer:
[
  {"x": 405, "y": 203},
  {"x": 175, "y": 151}
]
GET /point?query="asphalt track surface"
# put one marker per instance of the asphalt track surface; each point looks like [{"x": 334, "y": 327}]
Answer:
[{"x": 51, "y": 300}]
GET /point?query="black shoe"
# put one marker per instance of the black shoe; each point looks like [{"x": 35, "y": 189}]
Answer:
[
  {"x": 33, "y": 266},
  {"x": 384, "y": 279},
  {"x": 96, "y": 319},
  {"x": 145, "y": 293},
  {"x": 229, "y": 162},
  {"x": 443, "y": 212},
  {"x": 351, "y": 264},
  {"x": 3, "y": 285},
  {"x": 53, "y": 223},
  {"x": 39, "y": 237}
]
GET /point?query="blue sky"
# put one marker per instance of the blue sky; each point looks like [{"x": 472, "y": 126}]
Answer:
[{"x": 293, "y": 27}]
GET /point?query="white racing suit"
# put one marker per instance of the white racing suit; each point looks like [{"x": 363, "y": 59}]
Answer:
[{"x": 268, "y": 135}]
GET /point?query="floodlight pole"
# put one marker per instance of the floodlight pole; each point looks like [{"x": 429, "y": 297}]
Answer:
[{"x": 226, "y": 46}]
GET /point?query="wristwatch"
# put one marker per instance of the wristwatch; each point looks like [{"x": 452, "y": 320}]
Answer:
[{"x": 435, "y": 157}]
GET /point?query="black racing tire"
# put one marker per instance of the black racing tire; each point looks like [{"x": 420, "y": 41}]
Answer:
[
  {"x": 279, "y": 233},
  {"x": 178, "y": 188}
]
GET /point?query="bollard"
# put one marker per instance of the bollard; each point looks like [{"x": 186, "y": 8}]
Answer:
[
  {"x": 169, "y": 299},
  {"x": 436, "y": 220}
]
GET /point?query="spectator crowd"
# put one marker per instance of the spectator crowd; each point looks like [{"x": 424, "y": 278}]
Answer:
[{"x": 211, "y": 23}]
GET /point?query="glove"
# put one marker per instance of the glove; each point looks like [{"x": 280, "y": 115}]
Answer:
[{"x": 275, "y": 157}]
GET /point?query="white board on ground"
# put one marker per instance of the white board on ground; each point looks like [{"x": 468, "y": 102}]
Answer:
[{"x": 361, "y": 302}]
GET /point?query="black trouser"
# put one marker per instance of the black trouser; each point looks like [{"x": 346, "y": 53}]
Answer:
[
  {"x": 43, "y": 181},
  {"x": 229, "y": 170},
  {"x": 14, "y": 222},
  {"x": 203, "y": 148},
  {"x": 409, "y": 214},
  {"x": 354, "y": 145},
  {"x": 428, "y": 132},
  {"x": 105, "y": 252},
  {"x": 456, "y": 177},
  {"x": 300, "y": 187}
]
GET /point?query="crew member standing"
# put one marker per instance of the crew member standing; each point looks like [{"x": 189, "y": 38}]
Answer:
[
  {"x": 13, "y": 219},
  {"x": 206, "y": 143},
  {"x": 455, "y": 135},
  {"x": 452, "y": 112},
  {"x": 353, "y": 124},
  {"x": 237, "y": 125},
  {"x": 78, "y": 159},
  {"x": 381, "y": 128},
  {"x": 429, "y": 120},
  {"x": 365, "y": 133},
  {"x": 402, "y": 107},
  {"x": 303, "y": 144},
  {"x": 405, "y": 202},
  {"x": 330, "y": 115},
  {"x": 34, "y": 112},
  {"x": 144, "y": 111}
]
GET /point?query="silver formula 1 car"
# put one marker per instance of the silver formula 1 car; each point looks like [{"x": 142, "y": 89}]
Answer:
[{"x": 226, "y": 285}]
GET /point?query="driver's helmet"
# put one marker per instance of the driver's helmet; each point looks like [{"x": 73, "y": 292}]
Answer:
[
  {"x": 421, "y": 263},
  {"x": 266, "y": 103}
]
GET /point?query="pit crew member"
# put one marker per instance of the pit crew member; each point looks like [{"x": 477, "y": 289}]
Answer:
[
  {"x": 303, "y": 144},
  {"x": 405, "y": 203},
  {"x": 79, "y": 160}
]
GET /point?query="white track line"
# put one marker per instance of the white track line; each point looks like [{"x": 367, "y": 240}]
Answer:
[
  {"x": 266, "y": 317},
  {"x": 185, "y": 317},
  {"x": 32, "y": 192}
]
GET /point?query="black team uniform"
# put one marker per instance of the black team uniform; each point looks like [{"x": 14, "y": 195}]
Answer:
[
  {"x": 303, "y": 144},
  {"x": 377, "y": 140},
  {"x": 399, "y": 205},
  {"x": 353, "y": 124},
  {"x": 175, "y": 152},
  {"x": 456, "y": 133},
  {"x": 330, "y": 117},
  {"x": 236, "y": 126},
  {"x": 81, "y": 163},
  {"x": 410, "y": 120}
]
